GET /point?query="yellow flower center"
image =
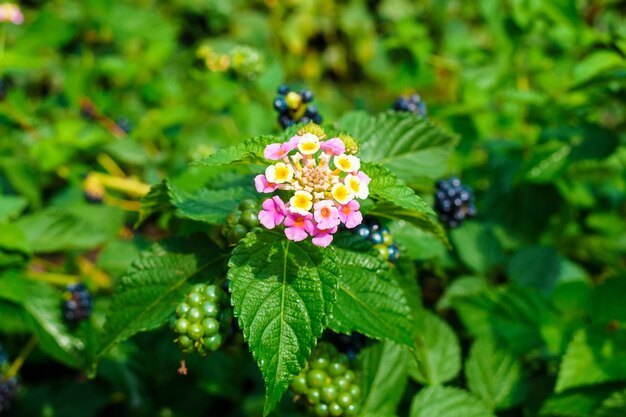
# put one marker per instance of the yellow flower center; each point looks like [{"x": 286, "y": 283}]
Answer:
[{"x": 282, "y": 173}]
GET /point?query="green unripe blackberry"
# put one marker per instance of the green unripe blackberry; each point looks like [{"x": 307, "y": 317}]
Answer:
[
  {"x": 240, "y": 221},
  {"x": 327, "y": 385},
  {"x": 202, "y": 319}
]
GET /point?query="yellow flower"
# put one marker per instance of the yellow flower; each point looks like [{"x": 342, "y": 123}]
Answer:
[
  {"x": 279, "y": 173},
  {"x": 342, "y": 194},
  {"x": 309, "y": 144},
  {"x": 301, "y": 202},
  {"x": 347, "y": 163}
]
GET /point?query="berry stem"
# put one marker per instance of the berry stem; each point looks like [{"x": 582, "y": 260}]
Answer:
[
  {"x": 110, "y": 165},
  {"x": 183, "y": 368},
  {"x": 53, "y": 278},
  {"x": 21, "y": 358}
]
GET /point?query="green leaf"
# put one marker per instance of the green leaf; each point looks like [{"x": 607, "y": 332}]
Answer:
[
  {"x": 250, "y": 151},
  {"x": 511, "y": 315},
  {"x": 447, "y": 402},
  {"x": 77, "y": 228},
  {"x": 579, "y": 402},
  {"x": 595, "y": 64},
  {"x": 607, "y": 301},
  {"x": 210, "y": 206},
  {"x": 383, "y": 373},
  {"x": 368, "y": 301},
  {"x": 12, "y": 239},
  {"x": 43, "y": 315},
  {"x": 11, "y": 207},
  {"x": 536, "y": 266},
  {"x": 594, "y": 356},
  {"x": 13, "y": 318},
  {"x": 614, "y": 406},
  {"x": 157, "y": 200},
  {"x": 438, "y": 350},
  {"x": 413, "y": 148},
  {"x": 397, "y": 201},
  {"x": 495, "y": 375},
  {"x": 477, "y": 246},
  {"x": 282, "y": 293},
  {"x": 148, "y": 293},
  {"x": 416, "y": 244}
]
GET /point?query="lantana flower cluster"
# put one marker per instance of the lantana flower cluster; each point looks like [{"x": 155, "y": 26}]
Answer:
[
  {"x": 10, "y": 12},
  {"x": 325, "y": 180}
]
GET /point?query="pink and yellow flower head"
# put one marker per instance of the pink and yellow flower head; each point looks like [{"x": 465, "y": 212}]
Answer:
[
  {"x": 325, "y": 182},
  {"x": 11, "y": 13}
]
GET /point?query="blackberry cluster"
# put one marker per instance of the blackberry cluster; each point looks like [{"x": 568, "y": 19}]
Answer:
[
  {"x": 8, "y": 392},
  {"x": 293, "y": 107},
  {"x": 202, "y": 319},
  {"x": 8, "y": 386},
  {"x": 241, "y": 221},
  {"x": 327, "y": 384},
  {"x": 350, "y": 345},
  {"x": 77, "y": 303},
  {"x": 412, "y": 104},
  {"x": 379, "y": 235},
  {"x": 454, "y": 202}
]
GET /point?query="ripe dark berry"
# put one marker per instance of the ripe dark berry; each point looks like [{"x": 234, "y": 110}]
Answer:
[
  {"x": 411, "y": 104},
  {"x": 454, "y": 202},
  {"x": 280, "y": 104},
  {"x": 351, "y": 345},
  {"x": 241, "y": 221},
  {"x": 8, "y": 392},
  {"x": 327, "y": 385},
  {"x": 307, "y": 96},
  {"x": 293, "y": 107},
  {"x": 124, "y": 124},
  {"x": 283, "y": 89},
  {"x": 202, "y": 319},
  {"x": 77, "y": 303}
]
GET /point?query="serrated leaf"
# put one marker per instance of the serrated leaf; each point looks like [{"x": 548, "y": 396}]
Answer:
[
  {"x": 282, "y": 293},
  {"x": 383, "y": 373},
  {"x": 43, "y": 315},
  {"x": 210, "y": 206},
  {"x": 447, "y": 402},
  {"x": 11, "y": 207},
  {"x": 157, "y": 200},
  {"x": 613, "y": 406},
  {"x": 437, "y": 349},
  {"x": 395, "y": 200},
  {"x": 250, "y": 151},
  {"x": 413, "y": 148},
  {"x": 368, "y": 301},
  {"x": 148, "y": 293},
  {"x": 594, "y": 356},
  {"x": 495, "y": 375},
  {"x": 75, "y": 228}
]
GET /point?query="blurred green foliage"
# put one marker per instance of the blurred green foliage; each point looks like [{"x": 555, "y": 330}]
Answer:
[{"x": 536, "y": 91}]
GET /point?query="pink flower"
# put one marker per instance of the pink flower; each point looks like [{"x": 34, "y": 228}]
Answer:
[
  {"x": 298, "y": 227},
  {"x": 273, "y": 212},
  {"x": 350, "y": 215},
  {"x": 363, "y": 177},
  {"x": 333, "y": 146},
  {"x": 326, "y": 214},
  {"x": 263, "y": 185},
  {"x": 323, "y": 237},
  {"x": 276, "y": 151}
]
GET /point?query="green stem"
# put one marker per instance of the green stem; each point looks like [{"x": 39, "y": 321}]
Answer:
[{"x": 21, "y": 358}]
